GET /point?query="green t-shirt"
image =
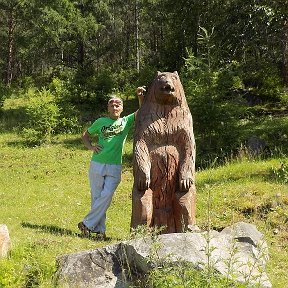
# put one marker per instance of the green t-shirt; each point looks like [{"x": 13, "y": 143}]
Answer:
[{"x": 111, "y": 136}]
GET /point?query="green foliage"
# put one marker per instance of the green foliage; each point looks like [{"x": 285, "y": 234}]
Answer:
[
  {"x": 42, "y": 114},
  {"x": 103, "y": 35},
  {"x": 83, "y": 86},
  {"x": 48, "y": 114},
  {"x": 33, "y": 269},
  {"x": 124, "y": 80},
  {"x": 262, "y": 80},
  {"x": 26, "y": 83},
  {"x": 142, "y": 231},
  {"x": 81, "y": 95},
  {"x": 214, "y": 106},
  {"x": 104, "y": 83},
  {"x": 147, "y": 75},
  {"x": 69, "y": 114},
  {"x": 222, "y": 98}
]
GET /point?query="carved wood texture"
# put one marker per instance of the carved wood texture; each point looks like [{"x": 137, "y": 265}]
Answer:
[{"x": 164, "y": 191}]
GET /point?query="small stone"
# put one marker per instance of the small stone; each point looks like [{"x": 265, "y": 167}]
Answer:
[{"x": 5, "y": 242}]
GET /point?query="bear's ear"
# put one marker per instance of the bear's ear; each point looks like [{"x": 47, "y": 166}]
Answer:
[
  {"x": 176, "y": 73},
  {"x": 158, "y": 73}
]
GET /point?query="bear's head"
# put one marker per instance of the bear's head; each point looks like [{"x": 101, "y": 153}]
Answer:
[{"x": 166, "y": 89}]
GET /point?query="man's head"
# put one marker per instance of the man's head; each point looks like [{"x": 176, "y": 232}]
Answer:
[{"x": 115, "y": 107}]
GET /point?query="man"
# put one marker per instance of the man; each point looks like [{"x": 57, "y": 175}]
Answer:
[{"x": 105, "y": 165}]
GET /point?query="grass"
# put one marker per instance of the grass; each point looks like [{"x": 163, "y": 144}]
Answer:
[
  {"x": 247, "y": 190},
  {"x": 44, "y": 194}
]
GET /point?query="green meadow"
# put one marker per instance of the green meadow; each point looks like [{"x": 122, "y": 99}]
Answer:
[{"x": 44, "y": 193}]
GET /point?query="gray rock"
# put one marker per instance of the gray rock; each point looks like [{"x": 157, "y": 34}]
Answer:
[
  {"x": 185, "y": 246},
  {"x": 93, "y": 268},
  {"x": 256, "y": 146},
  {"x": 238, "y": 252},
  {"x": 5, "y": 241}
]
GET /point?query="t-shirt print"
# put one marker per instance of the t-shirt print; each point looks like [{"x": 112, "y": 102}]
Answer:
[{"x": 111, "y": 130}]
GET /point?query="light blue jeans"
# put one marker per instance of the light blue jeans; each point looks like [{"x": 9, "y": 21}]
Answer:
[{"x": 104, "y": 179}]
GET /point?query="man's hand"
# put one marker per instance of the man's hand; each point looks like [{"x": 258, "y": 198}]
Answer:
[
  {"x": 97, "y": 148},
  {"x": 141, "y": 90},
  {"x": 87, "y": 142}
]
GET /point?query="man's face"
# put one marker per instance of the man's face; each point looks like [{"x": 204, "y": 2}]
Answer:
[{"x": 115, "y": 109}]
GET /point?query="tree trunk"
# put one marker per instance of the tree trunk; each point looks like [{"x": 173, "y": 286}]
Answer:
[
  {"x": 81, "y": 53},
  {"x": 11, "y": 27},
  {"x": 137, "y": 36},
  {"x": 285, "y": 53}
]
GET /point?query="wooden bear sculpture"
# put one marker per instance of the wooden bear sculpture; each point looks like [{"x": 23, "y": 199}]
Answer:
[{"x": 164, "y": 191}]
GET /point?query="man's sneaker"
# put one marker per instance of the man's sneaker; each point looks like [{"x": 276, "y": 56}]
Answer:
[
  {"x": 84, "y": 230},
  {"x": 100, "y": 236}
]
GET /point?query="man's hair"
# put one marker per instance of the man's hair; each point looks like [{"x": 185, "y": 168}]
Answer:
[{"x": 115, "y": 99}]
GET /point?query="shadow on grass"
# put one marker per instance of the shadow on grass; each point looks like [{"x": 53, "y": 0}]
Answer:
[
  {"x": 265, "y": 176},
  {"x": 12, "y": 118},
  {"x": 276, "y": 173},
  {"x": 55, "y": 230},
  {"x": 67, "y": 143},
  {"x": 128, "y": 159},
  {"x": 18, "y": 144},
  {"x": 74, "y": 143}
]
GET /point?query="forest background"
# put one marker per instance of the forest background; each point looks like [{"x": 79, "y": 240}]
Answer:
[
  {"x": 60, "y": 61},
  {"x": 231, "y": 56}
]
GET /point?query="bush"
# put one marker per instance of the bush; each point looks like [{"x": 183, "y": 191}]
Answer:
[
  {"x": 69, "y": 114},
  {"x": 263, "y": 81},
  {"x": 43, "y": 117}
]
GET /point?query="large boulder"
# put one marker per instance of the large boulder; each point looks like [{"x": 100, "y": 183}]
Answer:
[
  {"x": 238, "y": 252},
  {"x": 5, "y": 242},
  {"x": 93, "y": 268}
]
